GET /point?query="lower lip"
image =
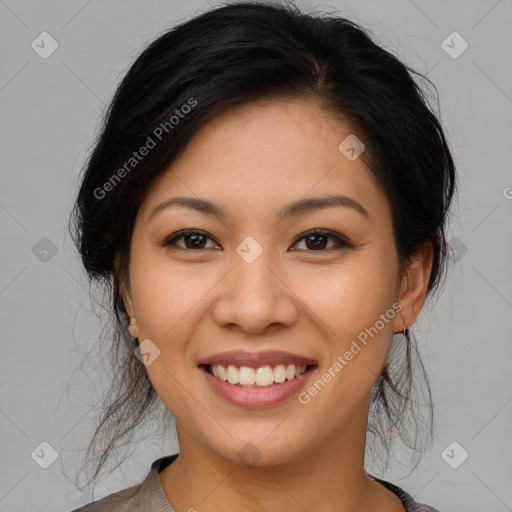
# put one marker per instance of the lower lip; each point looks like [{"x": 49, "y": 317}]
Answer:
[{"x": 257, "y": 398}]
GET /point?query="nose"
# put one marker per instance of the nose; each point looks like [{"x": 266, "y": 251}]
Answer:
[{"x": 254, "y": 297}]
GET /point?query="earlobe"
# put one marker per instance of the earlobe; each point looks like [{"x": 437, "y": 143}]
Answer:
[
  {"x": 414, "y": 287},
  {"x": 128, "y": 303},
  {"x": 132, "y": 328}
]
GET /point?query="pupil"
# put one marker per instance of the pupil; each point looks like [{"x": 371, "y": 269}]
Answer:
[
  {"x": 197, "y": 238},
  {"x": 317, "y": 245}
]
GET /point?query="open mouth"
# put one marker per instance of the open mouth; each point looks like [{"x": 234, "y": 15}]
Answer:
[{"x": 261, "y": 377}]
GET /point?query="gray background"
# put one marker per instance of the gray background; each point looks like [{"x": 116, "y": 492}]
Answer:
[{"x": 50, "y": 369}]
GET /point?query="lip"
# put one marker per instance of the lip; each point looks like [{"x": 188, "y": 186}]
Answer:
[
  {"x": 256, "y": 398},
  {"x": 256, "y": 359}
]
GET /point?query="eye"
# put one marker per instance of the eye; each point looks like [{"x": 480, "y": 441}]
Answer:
[
  {"x": 193, "y": 239},
  {"x": 316, "y": 238}
]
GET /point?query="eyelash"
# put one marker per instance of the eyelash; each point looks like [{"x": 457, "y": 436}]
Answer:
[{"x": 341, "y": 242}]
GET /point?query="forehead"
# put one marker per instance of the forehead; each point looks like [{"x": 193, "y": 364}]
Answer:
[{"x": 269, "y": 152}]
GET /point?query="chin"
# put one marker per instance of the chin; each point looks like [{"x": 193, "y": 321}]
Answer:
[{"x": 258, "y": 448}]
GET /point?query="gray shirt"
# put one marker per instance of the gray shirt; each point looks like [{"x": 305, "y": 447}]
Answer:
[{"x": 149, "y": 496}]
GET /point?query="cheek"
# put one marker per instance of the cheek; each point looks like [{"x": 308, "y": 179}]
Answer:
[
  {"x": 356, "y": 306},
  {"x": 166, "y": 293},
  {"x": 347, "y": 297},
  {"x": 168, "y": 300},
  {"x": 353, "y": 295},
  {"x": 355, "y": 303}
]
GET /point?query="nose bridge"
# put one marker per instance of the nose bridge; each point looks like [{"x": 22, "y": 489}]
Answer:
[
  {"x": 253, "y": 296},
  {"x": 252, "y": 272}
]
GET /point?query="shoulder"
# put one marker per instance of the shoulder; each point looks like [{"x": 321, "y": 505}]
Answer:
[
  {"x": 139, "y": 497},
  {"x": 409, "y": 503},
  {"x": 126, "y": 500}
]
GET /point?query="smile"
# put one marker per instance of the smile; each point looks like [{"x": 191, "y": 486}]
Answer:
[
  {"x": 262, "y": 377},
  {"x": 256, "y": 379}
]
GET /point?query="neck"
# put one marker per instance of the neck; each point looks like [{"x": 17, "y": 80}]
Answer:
[{"x": 326, "y": 478}]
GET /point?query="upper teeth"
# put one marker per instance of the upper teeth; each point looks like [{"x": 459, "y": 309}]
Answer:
[{"x": 263, "y": 376}]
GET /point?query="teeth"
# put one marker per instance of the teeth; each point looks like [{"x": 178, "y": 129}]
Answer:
[
  {"x": 279, "y": 373},
  {"x": 233, "y": 375},
  {"x": 221, "y": 371},
  {"x": 263, "y": 376},
  {"x": 247, "y": 375}
]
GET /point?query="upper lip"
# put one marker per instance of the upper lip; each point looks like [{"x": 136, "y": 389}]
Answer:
[{"x": 256, "y": 359}]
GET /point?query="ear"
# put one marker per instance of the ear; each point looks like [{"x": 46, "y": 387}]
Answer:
[
  {"x": 126, "y": 295},
  {"x": 413, "y": 288}
]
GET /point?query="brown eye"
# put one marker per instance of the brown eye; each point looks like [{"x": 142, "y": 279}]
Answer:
[
  {"x": 317, "y": 240},
  {"x": 191, "y": 239}
]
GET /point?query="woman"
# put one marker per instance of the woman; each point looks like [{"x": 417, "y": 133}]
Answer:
[{"x": 268, "y": 200}]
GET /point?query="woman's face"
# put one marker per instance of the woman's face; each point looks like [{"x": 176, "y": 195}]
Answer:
[{"x": 255, "y": 292}]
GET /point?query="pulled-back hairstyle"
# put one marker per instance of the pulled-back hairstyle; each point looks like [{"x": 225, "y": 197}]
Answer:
[{"x": 232, "y": 55}]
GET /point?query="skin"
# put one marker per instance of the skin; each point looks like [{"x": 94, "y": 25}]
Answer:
[{"x": 192, "y": 303}]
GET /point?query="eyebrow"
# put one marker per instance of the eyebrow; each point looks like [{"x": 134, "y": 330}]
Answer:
[{"x": 301, "y": 206}]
